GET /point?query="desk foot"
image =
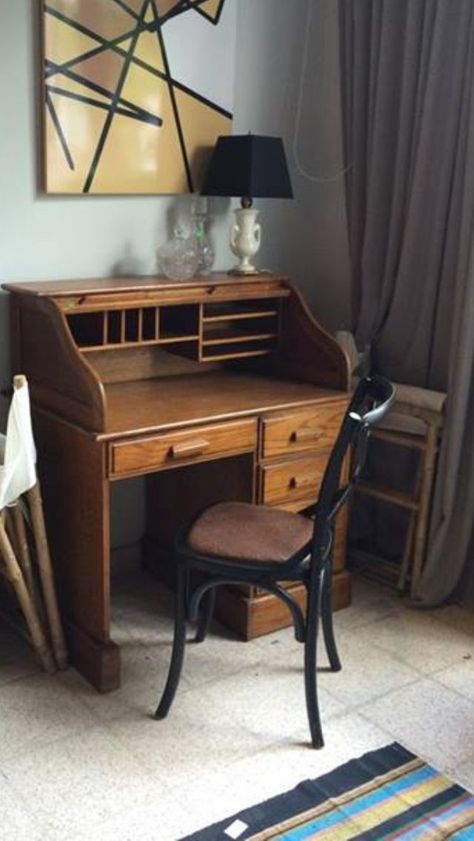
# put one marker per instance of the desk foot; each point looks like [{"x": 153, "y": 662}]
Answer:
[{"x": 98, "y": 662}]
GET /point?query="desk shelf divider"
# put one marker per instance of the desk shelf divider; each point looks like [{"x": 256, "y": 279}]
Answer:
[{"x": 206, "y": 331}]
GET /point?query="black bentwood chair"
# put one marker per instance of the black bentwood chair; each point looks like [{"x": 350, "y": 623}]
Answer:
[{"x": 237, "y": 542}]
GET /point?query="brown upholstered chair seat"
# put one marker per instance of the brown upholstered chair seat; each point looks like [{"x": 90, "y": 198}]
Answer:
[{"x": 233, "y": 531}]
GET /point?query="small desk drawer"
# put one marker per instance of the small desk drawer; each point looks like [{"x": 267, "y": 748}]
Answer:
[
  {"x": 306, "y": 429},
  {"x": 295, "y": 479},
  {"x": 171, "y": 449}
]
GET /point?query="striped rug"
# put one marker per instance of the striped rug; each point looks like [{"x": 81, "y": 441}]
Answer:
[{"x": 386, "y": 794}]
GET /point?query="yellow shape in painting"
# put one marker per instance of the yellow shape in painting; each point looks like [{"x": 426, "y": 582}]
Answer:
[
  {"x": 147, "y": 49},
  {"x": 102, "y": 17},
  {"x": 201, "y": 127},
  {"x": 139, "y": 157},
  {"x": 145, "y": 90},
  {"x": 165, "y": 6},
  {"x": 149, "y": 17},
  {"x": 82, "y": 126},
  {"x": 210, "y": 7},
  {"x": 67, "y": 84},
  {"x": 63, "y": 42}
]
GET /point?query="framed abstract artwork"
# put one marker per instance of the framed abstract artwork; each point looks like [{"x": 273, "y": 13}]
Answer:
[{"x": 136, "y": 93}]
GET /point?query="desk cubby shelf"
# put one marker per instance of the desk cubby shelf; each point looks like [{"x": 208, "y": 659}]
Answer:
[{"x": 207, "y": 332}]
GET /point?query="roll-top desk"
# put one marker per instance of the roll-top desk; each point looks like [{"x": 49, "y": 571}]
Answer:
[{"x": 215, "y": 388}]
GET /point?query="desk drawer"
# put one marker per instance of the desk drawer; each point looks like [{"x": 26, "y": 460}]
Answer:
[
  {"x": 172, "y": 449},
  {"x": 306, "y": 429},
  {"x": 295, "y": 479}
]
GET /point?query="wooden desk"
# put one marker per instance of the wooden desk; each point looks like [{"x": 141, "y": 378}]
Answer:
[{"x": 216, "y": 388}]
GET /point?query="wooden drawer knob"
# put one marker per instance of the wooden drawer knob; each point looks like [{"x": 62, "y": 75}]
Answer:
[
  {"x": 299, "y": 435},
  {"x": 303, "y": 482},
  {"x": 189, "y": 448}
]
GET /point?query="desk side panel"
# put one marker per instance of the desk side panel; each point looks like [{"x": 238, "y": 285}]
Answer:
[
  {"x": 306, "y": 351},
  {"x": 60, "y": 379}
]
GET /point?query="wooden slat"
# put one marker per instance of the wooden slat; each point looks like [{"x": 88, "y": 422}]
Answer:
[
  {"x": 240, "y": 316},
  {"x": 402, "y": 439},
  {"x": 240, "y": 355},
  {"x": 404, "y": 500},
  {"x": 236, "y": 339},
  {"x": 171, "y": 340},
  {"x": 140, "y": 324}
]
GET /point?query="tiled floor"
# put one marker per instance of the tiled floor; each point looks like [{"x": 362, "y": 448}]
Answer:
[{"x": 76, "y": 765}]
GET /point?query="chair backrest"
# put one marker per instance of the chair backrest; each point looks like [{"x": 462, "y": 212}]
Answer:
[
  {"x": 17, "y": 448},
  {"x": 372, "y": 399}
]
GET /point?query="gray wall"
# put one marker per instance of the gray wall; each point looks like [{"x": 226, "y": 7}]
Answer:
[
  {"x": 277, "y": 92},
  {"x": 42, "y": 237}
]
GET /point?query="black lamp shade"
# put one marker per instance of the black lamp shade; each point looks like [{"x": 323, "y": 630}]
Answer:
[{"x": 248, "y": 165}]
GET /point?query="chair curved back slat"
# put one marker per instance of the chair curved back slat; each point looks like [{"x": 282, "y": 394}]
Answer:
[{"x": 372, "y": 399}]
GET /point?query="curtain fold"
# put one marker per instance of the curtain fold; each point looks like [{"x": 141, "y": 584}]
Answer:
[{"x": 407, "y": 69}]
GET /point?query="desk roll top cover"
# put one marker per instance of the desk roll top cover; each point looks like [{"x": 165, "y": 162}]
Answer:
[{"x": 215, "y": 388}]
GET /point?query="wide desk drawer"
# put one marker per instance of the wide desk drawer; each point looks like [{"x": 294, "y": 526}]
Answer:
[
  {"x": 172, "y": 449},
  {"x": 301, "y": 430},
  {"x": 295, "y": 479}
]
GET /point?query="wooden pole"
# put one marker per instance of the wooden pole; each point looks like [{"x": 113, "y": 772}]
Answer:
[
  {"x": 15, "y": 576},
  {"x": 44, "y": 561},
  {"x": 24, "y": 556},
  {"x": 425, "y": 502},
  {"x": 46, "y": 575}
]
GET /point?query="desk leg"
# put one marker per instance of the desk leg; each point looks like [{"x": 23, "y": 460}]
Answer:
[{"x": 76, "y": 493}]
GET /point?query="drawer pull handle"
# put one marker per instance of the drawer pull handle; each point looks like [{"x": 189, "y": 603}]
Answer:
[
  {"x": 189, "y": 448},
  {"x": 304, "y": 435},
  {"x": 303, "y": 482}
]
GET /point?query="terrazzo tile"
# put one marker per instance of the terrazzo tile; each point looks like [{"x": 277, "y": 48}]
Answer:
[
  {"x": 459, "y": 677},
  {"x": 370, "y": 601},
  {"x": 367, "y": 672},
  {"x": 166, "y": 821},
  {"x": 36, "y": 711},
  {"x": 456, "y": 616},
  {"x": 16, "y": 657},
  {"x": 419, "y": 640},
  {"x": 74, "y": 784},
  {"x": 16, "y": 824},
  {"x": 431, "y": 720}
]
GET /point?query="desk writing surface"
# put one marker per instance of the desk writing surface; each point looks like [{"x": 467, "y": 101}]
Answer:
[{"x": 146, "y": 405}]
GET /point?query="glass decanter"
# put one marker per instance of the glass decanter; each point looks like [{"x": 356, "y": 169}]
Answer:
[
  {"x": 178, "y": 258},
  {"x": 204, "y": 249}
]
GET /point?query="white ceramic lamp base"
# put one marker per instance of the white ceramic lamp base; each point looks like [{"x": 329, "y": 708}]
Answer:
[{"x": 245, "y": 238}]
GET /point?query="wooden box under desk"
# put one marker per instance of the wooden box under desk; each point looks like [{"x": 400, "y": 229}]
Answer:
[{"x": 215, "y": 388}]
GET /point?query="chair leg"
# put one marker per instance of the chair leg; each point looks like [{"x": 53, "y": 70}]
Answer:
[
  {"x": 310, "y": 671},
  {"x": 179, "y": 644},
  {"x": 327, "y": 623},
  {"x": 205, "y": 615}
]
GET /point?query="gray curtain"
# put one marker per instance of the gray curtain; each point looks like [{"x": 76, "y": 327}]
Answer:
[{"x": 408, "y": 116}]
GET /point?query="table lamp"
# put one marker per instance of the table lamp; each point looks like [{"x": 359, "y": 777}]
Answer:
[{"x": 247, "y": 166}]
